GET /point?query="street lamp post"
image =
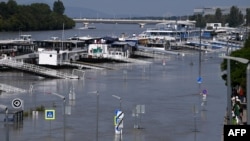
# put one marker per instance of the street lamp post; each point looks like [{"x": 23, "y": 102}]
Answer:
[
  {"x": 229, "y": 90},
  {"x": 248, "y": 94},
  {"x": 64, "y": 105},
  {"x": 244, "y": 61},
  {"x": 64, "y": 118},
  {"x": 6, "y": 120},
  {"x": 200, "y": 53},
  {"x": 97, "y": 112},
  {"x": 120, "y": 101}
]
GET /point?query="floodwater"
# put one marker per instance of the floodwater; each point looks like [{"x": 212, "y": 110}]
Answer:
[{"x": 174, "y": 110}]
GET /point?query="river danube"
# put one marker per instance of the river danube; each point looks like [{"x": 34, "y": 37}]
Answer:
[
  {"x": 167, "y": 96},
  {"x": 100, "y": 31}
]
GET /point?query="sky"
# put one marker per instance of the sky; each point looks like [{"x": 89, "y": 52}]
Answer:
[{"x": 164, "y": 8}]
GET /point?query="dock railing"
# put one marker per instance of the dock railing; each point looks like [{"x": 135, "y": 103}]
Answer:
[
  {"x": 9, "y": 88},
  {"x": 9, "y": 62}
]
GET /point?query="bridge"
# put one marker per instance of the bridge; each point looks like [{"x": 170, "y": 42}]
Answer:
[{"x": 141, "y": 22}]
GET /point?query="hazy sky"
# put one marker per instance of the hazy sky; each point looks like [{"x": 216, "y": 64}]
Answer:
[{"x": 146, "y": 7}]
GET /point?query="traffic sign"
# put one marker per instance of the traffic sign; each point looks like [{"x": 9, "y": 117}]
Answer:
[
  {"x": 164, "y": 62},
  {"x": 204, "y": 91},
  {"x": 50, "y": 114},
  {"x": 199, "y": 80},
  {"x": 16, "y": 103},
  {"x": 118, "y": 121},
  {"x": 119, "y": 114}
]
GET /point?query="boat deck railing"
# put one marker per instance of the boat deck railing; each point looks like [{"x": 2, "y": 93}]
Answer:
[
  {"x": 9, "y": 62},
  {"x": 80, "y": 66},
  {"x": 8, "y": 50}
]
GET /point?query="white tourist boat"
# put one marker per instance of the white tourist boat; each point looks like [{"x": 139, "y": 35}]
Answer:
[
  {"x": 171, "y": 31},
  {"x": 19, "y": 46},
  {"x": 23, "y": 39}
]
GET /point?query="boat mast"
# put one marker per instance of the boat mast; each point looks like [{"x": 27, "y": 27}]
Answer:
[{"x": 62, "y": 36}]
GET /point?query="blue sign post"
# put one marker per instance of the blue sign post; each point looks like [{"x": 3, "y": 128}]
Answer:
[
  {"x": 118, "y": 121},
  {"x": 199, "y": 80},
  {"x": 50, "y": 115},
  {"x": 204, "y": 91},
  {"x": 204, "y": 98}
]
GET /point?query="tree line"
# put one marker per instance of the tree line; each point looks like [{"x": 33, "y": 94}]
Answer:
[
  {"x": 238, "y": 70},
  {"x": 234, "y": 19},
  {"x": 37, "y": 16}
]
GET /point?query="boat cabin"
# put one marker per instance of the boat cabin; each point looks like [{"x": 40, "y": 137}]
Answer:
[
  {"x": 14, "y": 47},
  {"x": 121, "y": 49},
  {"x": 56, "y": 52},
  {"x": 172, "y": 31},
  {"x": 97, "y": 50}
]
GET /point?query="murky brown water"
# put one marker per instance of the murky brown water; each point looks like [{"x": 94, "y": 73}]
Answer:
[{"x": 169, "y": 94}]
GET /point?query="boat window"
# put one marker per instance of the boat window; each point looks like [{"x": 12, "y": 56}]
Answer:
[{"x": 153, "y": 33}]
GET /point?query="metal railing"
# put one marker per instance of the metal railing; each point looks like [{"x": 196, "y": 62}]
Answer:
[
  {"x": 153, "y": 55},
  {"x": 36, "y": 69},
  {"x": 8, "y": 88}
]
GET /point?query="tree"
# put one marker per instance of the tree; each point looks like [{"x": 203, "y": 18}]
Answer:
[
  {"x": 218, "y": 15},
  {"x": 248, "y": 17},
  {"x": 235, "y": 17},
  {"x": 200, "y": 21},
  {"x": 58, "y": 7},
  {"x": 12, "y": 7},
  {"x": 37, "y": 16},
  {"x": 238, "y": 70}
]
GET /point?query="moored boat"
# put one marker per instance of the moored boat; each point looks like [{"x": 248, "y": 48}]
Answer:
[
  {"x": 55, "y": 51},
  {"x": 172, "y": 31},
  {"x": 15, "y": 47}
]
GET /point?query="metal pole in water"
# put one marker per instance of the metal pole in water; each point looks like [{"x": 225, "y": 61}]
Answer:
[
  {"x": 6, "y": 121},
  {"x": 7, "y": 124},
  {"x": 64, "y": 119},
  {"x": 97, "y": 112},
  {"x": 97, "y": 115}
]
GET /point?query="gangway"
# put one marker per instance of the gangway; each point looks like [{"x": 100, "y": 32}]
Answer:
[
  {"x": 137, "y": 61},
  {"x": 151, "y": 54},
  {"x": 9, "y": 88},
  {"x": 153, "y": 50},
  {"x": 43, "y": 71},
  {"x": 126, "y": 59},
  {"x": 80, "y": 66}
]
